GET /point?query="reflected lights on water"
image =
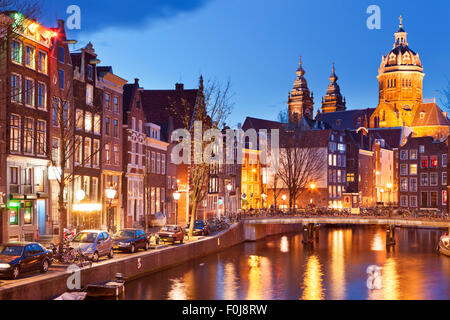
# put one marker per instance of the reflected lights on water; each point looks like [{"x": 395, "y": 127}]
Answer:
[
  {"x": 259, "y": 278},
  {"x": 312, "y": 283},
  {"x": 284, "y": 244}
]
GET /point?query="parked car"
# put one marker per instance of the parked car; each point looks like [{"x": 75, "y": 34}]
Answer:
[
  {"x": 171, "y": 234},
  {"x": 131, "y": 240},
  {"x": 94, "y": 244},
  {"x": 22, "y": 257},
  {"x": 201, "y": 228}
]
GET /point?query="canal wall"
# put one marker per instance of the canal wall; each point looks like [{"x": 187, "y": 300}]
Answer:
[{"x": 54, "y": 284}]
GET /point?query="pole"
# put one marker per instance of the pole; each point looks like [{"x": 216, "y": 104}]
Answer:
[{"x": 176, "y": 212}]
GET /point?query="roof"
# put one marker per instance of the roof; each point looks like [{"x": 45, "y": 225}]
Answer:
[
  {"x": 342, "y": 120},
  {"x": 260, "y": 124},
  {"x": 314, "y": 139},
  {"x": 429, "y": 114}
]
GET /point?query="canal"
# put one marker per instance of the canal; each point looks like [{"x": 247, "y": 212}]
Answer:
[{"x": 281, "y": 268}]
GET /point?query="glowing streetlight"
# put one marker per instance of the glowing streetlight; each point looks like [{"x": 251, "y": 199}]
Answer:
[
  {"x": 80, "y": 195},
  {"x": 229, "y": 187},
  {"x": 110, "y": 195},
  {"x": 313, "y": 186}
]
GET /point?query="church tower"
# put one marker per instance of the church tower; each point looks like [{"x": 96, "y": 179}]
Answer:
[
  {"x": 300, "y": 101},
  {"x": 400, "y": 80},
  {"x": 333, "y": 100}
]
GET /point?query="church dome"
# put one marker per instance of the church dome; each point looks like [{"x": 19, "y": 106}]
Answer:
[{"x": 401, "y": 55}]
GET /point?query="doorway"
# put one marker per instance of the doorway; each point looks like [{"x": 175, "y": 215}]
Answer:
[{"x": 42, "y": 219}]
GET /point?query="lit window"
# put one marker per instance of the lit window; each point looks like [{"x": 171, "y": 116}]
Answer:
[
  {"x": 42, "y": 62},
  {"x": 413, "y": 169},
  {"x": 16, "y": 51},
  {"x": 16, "y": 88},
  {"x": 89, "y": 94},
  {"x": 29, "y": 56},
  {"x": 434, "y": 162}
]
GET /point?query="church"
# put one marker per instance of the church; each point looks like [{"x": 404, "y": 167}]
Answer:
[{"x": 401, "y": 103}]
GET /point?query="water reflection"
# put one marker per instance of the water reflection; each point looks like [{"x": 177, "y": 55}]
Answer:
[
  {"x": 335, "y": 268},
  {"x": 312, "y": 284}
]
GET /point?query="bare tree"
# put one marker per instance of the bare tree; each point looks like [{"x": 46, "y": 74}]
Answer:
[
  {"x": 274, "y": 184},
  {"x": 212, "y": 108},
  {"x": 446, "y": 93},
  {"x": 299, "y": 164}
]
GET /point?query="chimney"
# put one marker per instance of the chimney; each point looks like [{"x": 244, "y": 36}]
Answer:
[
  {"x": 136, "y": 81},
  {"x": 179, "y": 86}
]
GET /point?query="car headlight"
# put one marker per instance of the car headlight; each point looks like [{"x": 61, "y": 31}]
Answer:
[
  {"x": 5, "y": 266},
  {"x": 123, "y": 244}
]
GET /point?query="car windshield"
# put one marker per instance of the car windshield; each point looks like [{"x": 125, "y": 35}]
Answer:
[
  {"x": 85, "y": 237},
  {"x": 125, "y": 234},
  {"x": 11, "y": 250},
  {"x": 169, "y": 229}
]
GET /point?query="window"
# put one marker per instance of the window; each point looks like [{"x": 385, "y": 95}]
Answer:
[
  {"x": 107, "y": 155},
  {"x": 330, "y": 159},
  {"x": 163, "y": 164},
  {"x": 404, "y": 201},
  {"x": 424, "y": 199},
  {"x": 28, "y": 215},
  {"x": 116, "y": 128},
  {"x": 97, "y": 124},
  {"x": 78, "y": 150},
  {"x": 413, "y": 201},
  {"x": 350, "y": 177},
  {"x": 116, "y": 155},
  {"x": 153, "y": 163},
  {"x": 42, "y": 62},
  {"x": 94, "y": 195},
  {"x": 90, "y": 73},
  {"x": 14, "y": 144},
  {"x": 55, "y": 117},
  {"x": 403, "y": 154},
  {"x": 404, "y": 184},
  {"x": 16, "y": 51},
  {"x": 107, "y": 101},
  {"x": 444, "y": 197},
  {"x": 413, "y": 169},
  {"x": 444, "y": 178},
  {"x": 107, "y": 126},
  {"x": 421, "y": 149},
  {"x": 65, "y": 113},
  {"x": 87, "y": 151},
  {"x": 434, "y": 199},
  {"x": 88, "y": 122},
  {"x": 133, "y": 123},
  {"x": 89, "y": 94},
  {"x": 61, "y": 78},
  {"x": 87, "y": 186},
  {"x": 29, "y": 56},
  {"x": 444, "y": 160},
  {"x": 413, "y": 154},
  {"x": 413, "y": 184},
  {"x": 96, "y": 153},
  {"x": 29, "y": 92},
  {"x": 424, "y": 179},
  {"x": 158, "y": 163},
  {"x": 16, "y": 88},
  {"x": 79, "y": 119},
  {"x": 404, "y": 169},
  {"x": 433, "y": 179},
  {"x": 434, "y": 161},
  {"x": 116, "y": 104},
  {"x": 41, "y": 102},
  {"x": 61, "y": 54},
  {"x": 28, "y": 135},
  {"x": 55, "y": 151},
  {"x": 424, "y": 162},
  {"x": 41, "y": 137}
]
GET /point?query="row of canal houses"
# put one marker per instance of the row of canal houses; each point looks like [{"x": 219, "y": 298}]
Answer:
[{"x": 62, "y": 105}]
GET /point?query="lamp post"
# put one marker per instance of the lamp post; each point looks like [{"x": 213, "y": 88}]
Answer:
[
  {"x": 227, "y": 199},
  {"x": 176, "y": 197},
  {"x": 389, "y": 185},
  {"x": 110, "y": 195},
  {"x": 284, "y": 199}
]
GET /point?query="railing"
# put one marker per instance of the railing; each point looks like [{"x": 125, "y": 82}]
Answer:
[{"x": 369, "y": 213}]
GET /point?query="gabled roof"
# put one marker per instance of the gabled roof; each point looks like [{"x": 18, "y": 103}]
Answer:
[
  {"x": 392, "y": 136},
  {"x": 429, "y": 114},
  {"x": 314, "y": 139},
  {"x": 342, "y": 120}
]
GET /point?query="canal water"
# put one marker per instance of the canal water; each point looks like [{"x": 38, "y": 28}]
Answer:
[{"x": 281, "y": 268}]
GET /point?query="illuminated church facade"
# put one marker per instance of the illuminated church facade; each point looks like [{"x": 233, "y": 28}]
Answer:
[{"x": 401, "y": 102}]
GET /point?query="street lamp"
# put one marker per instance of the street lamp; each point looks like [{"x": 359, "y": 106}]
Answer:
[
  {"x": 110, "y": 195},
  {"x": 176, "y": 197},
  {"x": 80, "y": 195},
  {"x": 227, "y": 198},
  {"x": 284, "y": 199}
]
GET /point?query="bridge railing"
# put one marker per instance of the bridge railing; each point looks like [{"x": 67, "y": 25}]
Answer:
[{"x": 368, "y": 213}]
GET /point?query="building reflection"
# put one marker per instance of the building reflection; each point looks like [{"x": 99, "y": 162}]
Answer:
[
  {"x": 284, "y": 244},
  {"x": 230, "y": 282},
  {"x": 312, "y": 282},
  {"x": 337, "y": 240},
  {"x": 182, "y": 288},
  {"x": 259, "y": 278}
]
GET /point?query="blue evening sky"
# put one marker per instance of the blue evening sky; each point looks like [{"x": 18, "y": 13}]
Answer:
[{"x": 256, "y": 44}]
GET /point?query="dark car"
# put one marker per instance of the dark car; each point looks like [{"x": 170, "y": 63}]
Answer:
[
  {"x": 171, "y": 234},
  {"x": 201, "y": 228},
  {"x": 131, "y": 240},
  {"x": 23, "y": 257}
]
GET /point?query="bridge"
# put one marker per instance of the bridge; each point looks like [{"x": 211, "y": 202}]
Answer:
[{"x": 259, "y": 227}]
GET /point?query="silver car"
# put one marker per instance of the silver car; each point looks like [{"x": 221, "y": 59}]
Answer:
[{"x": 94, "y": 244}]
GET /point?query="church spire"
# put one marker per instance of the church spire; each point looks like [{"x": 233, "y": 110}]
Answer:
[
  {"x": 333, "y": 100},
  {"x": 401, "y": 35},
  {"x": 301, "y": 102}
]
